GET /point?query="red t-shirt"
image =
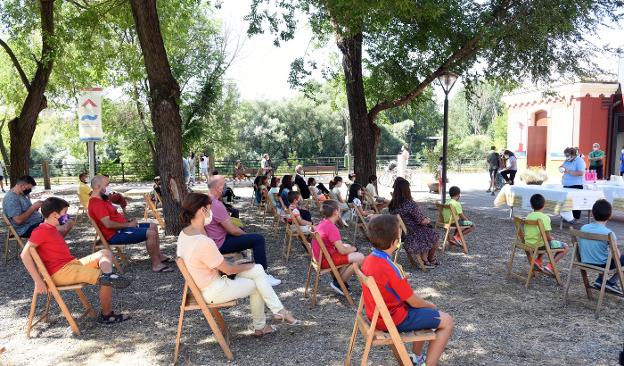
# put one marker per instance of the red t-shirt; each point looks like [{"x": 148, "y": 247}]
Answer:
[
  {"x": 329, "y": 234},
  {"x": 51, "y": 247},
  {"x": 98, "y": 208},
  {"x": 392, "y": 284}
]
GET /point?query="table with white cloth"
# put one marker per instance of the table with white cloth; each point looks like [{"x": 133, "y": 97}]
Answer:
[
  {"x": 559, "y": 201},
  {"x": 613, "y": 192}
]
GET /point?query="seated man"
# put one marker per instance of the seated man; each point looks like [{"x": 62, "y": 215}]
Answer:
[
  {"x": 84, "y": 191},
  {"x": 301, "y": 183},
  {"x": 117, "y": 230},
  {"x": 117, "y": 198},
  {"x": 22, "y": 213},
  {"x": 228, "y": 237},
  {"x": 65, "y": 269}
]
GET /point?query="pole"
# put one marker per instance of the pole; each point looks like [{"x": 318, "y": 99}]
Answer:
[
  {"x": 45, "y": 170},
  {"x": 444, "y": 148},
  {"x": 91, "y": 152}
]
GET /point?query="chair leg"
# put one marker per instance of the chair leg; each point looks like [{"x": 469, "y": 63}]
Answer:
[
  {"x": 66, "y": 313},
  {"x": 351, "y": 343},
  {"x": 315, "y": 288},
  {"x": 602, "y": 291},
  {"x": 89, "y": 311},
  {"x": 511, "y": 260},
  {"x": 46, "y": 314},
  {"x": 586, "y": 284},
  {"x": 221, "y": 322},
  {"x": 531, "y": 265},
  {"x": 219, "y": 336},
  {"x": 551, "y": 260},
  {"x": 308, "y": 276},
  {"x": 31, "y": 314},
  {"x": 446, "y": 238},
  {"x": 176, "y": 351},
  {"x": 367, "y": 348}
]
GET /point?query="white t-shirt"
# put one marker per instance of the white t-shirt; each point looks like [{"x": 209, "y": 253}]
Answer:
[
  {"x": 203, "y": 164},
  {"x": 372, "y": 190}
]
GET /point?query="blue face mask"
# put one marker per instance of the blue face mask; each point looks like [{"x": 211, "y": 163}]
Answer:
[{"x": 63, "y": 219}]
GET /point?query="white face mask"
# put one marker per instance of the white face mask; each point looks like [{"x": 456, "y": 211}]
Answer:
[
  {"x": 108, "y": 191},
  {"x": 207, "y": 219}
]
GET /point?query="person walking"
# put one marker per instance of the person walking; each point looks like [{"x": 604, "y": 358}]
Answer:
[
  {"x": 402, "y": 160},
  {"x": 596, "y": 159},
  {"x": 492, "y": 161},
  {"x": 573, "y": 169},
  {"x": 511, "y": 167},
  {"x": 191, "y": 163}
]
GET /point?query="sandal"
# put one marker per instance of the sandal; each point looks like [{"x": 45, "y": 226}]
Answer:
[
  {"x": 166, "y": 260},
  {"x": 264, "y": 331},
  {"x": 434, "y": 262},
  {"x": 112, "y": 318},
  {"x": 281, "y": 318},
  {"x": 164, "y": 269}
]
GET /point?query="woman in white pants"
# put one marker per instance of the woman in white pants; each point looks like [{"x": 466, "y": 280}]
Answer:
[{"x": 209, "y": 269}]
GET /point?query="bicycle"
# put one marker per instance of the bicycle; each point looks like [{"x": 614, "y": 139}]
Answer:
[{"x": 390, "y": 175}]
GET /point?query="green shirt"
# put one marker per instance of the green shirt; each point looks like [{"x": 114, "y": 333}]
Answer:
[
  {"x": 446, "y": 213},
  {"x": 532, "y": 234},
  {"x": 596, "y": 154}
]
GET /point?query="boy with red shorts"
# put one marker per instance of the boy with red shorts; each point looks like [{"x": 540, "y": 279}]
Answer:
[
  {"x": 409, "y": 312},
  {"x": 341, "y": 253},
  {"x": 65, "y": 269}
]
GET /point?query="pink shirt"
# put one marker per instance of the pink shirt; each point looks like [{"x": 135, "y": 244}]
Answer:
[
  {"x": 215, "y": 230},
  {"x": 201, "y": 256},
  {"x": 329, "y": 234}
]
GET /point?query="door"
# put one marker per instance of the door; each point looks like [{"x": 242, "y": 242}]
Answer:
[{"x": 536, "y": 146}]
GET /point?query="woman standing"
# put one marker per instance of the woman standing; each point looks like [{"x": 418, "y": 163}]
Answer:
[
  {"x": 573, "y": 169},
  {"x": 421, "y": 239},
  {"x": 205, "y": 264},
  {"x": 402, "y": 160},
  {"x": 511, "y": 167}
]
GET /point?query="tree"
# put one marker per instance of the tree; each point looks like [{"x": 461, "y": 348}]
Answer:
[
  {"x": 410, "y": 44},
  {"x": 22, "y": 127},
  {"x": 165, "y": 113}
]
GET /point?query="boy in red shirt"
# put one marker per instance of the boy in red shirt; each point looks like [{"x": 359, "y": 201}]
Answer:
[
  {"x": 409, "y": 312},
  {"x": 341, "y": 253},
  {"x": 65, "y": 269}
]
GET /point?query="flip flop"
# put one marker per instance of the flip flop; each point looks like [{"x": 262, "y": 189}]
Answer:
[
  {"x": 112, "y": 318},
  {"x": 262, "y": 332},
  {"x": 165, "y": 269},
  {"x": 166, "y": 260}
]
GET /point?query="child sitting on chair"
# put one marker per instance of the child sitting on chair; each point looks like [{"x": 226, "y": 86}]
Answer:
[
  {"x": 65, "y": 269},
  {"x": 469, "y": 226},
  {"x": 313, "y": 187},
  {"x": 340, "y": 252},
  {"x": 532, "y": 235},
  {"x": 294, "y": 198},
  {"x": 355, "y": 193},
  {"x": 409, "y": 312},
  {"x": 597, "y": 252}
]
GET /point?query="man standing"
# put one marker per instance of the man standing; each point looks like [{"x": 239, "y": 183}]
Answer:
[
  {"x": 228, "y": 237},
  {"x": 265, "y": 165},
  {"x": 118, "y": 231},
  {"x": 492, "y": 161},
  {"x": 203, "y": 168},
  {"x": 596, "y": 159}
]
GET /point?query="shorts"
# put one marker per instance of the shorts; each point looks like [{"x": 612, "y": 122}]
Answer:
[
  {"x": 556, "y": 244},
  {"x": 465, "y": 223},
  {"x": 83, "y": 270},
  {"x": 493, "y": 173},
  {"x": 337, "y": 258},
  {"x": 130, "y": 235},
  {"x": 419, "y": 318},
  {"x": 204, "y": 171}
]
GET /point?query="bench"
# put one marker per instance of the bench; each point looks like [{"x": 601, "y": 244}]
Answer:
[
  {"x": 320, "y": 169},
  {"x": 247, "y": 172}
]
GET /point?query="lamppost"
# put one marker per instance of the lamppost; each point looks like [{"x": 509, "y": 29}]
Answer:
[{"x": 446, "y": 80}]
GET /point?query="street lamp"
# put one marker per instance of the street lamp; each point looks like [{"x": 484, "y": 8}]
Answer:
[{"x": 446, "y": 80}]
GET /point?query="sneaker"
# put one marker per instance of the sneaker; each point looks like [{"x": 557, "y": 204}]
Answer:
[
  {"x": 548, "y": 269},
  {"x": 418, "y": 360},
  {"x": 336, "y": 287},
  {"x": 597, "y": 284},
  {"x": 613, "y": 287},
  {"x": 493, "y": 194},
  {"x": 113, "y": 280},
  {"x": 571, "y": 222},
  {"x": 272, "y": 280}
]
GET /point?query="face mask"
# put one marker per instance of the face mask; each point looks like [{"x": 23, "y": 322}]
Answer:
[
  {"x": 108, "y": 191},
  {"x": 208, "y": 219},
  {"x": 570, "y": 158},
  {"x": 63, "y": 219},
  {"x": 27, "y": 191},
  {"x": 595, "y": 149}
]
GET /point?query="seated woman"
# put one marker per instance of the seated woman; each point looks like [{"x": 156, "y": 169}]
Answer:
[
  {"x": 275, "y": 181},
  {"x": 372, "y": 190},
  {"x": 262, "y": 185},
  {"x": 335, "y": 194},
  {"x": 206, "y": 265},
  {"x": 356, "y": 192},
  {"x": 421, "y": 238},
  {"x": 239, "y": 171},
  {"x": 285, "y": 188},
  {"x": 314, "y": 188}
]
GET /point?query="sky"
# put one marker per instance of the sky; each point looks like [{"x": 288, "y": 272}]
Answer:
[{"x": 261, "y": 69}]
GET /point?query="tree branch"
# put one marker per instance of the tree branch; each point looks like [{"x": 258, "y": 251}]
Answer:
[{"x": 16, "y": 63}]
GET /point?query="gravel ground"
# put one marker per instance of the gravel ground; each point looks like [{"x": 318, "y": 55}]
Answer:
[{"x": 498, "y": 321}]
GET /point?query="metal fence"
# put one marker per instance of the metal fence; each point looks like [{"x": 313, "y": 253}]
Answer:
[{"x": 65, "y": 172}]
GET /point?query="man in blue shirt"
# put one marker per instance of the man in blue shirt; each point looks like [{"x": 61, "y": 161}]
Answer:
[{"x": 573, "y": 169}]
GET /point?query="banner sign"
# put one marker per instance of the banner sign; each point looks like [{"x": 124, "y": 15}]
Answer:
[{"x": 90, "y": 115}]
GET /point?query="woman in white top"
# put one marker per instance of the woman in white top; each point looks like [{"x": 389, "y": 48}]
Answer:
[
  {"x": 372, "y": 190},
  {"x": 206, "y": 265},
  {"x": 509, "y": 173},
  {"x": 335, "y": 193}
]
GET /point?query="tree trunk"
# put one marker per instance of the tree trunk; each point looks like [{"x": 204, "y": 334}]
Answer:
[
  {"x": 3, "y": 149},
  {"x": 364, "y": 131},
  {"x": 148, "y": 138},
  {"x": 22, "y": 128},
  {"x": 165, "y": 112}
]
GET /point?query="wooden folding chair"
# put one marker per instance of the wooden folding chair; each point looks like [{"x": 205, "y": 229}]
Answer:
[
  {"x": 316, "y": 199},
  {"x": 150, "y": 208},
  {"x": 532, "y": 251},
  {"x": 606, "y": 271},
  {"x": 447, "y": 226},
  {"x": 82, "y": 211},
  {"x": 315, "y": 265},
  {"x": 192, "y": 300},
  {"x": 371, "y": 201},
  {"x": 55, "y": 291},
  {"x": 375, "y": 337},
  {"x": 116, "y": 250},
  {"x": 11, "y": 234},
  {"x": 291, "y": 230},
  {"x": 271, "y": 209},
  {"x": 360, "y": 221},
  {"x": 418, "y": 262}
]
